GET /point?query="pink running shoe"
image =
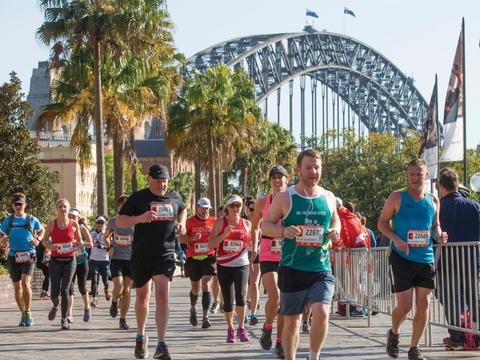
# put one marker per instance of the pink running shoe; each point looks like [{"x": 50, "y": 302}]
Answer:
[
  {"x": 231, "y": 335},
  {"x": 243, "y": 335}
]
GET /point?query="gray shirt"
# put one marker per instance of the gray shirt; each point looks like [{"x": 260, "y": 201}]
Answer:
[{"x": 122, "y": 240}]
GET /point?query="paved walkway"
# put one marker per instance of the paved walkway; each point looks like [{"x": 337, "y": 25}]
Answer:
[{"x": 101, "y": 339}]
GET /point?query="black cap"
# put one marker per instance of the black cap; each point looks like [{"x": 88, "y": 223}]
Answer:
[
  {"x": 277, "y": 169},
  {"x": 158, "y": 171},
  {"x": 18, "y": 198}
]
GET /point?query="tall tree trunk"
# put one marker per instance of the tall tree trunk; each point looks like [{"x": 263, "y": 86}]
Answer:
[
  {"x": 198, "y": 179},
  {"x": 243, "y": 179},
  {"x": 100, "y": 151},
  {"x": 118, "y": 165},
  {"x": 134, "y": 169},
  {"x": 219, "y": 183},
  {"x": 211, "y": 172}
]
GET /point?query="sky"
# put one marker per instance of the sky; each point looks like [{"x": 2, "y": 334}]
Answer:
[{"x": 420, "y": 37}]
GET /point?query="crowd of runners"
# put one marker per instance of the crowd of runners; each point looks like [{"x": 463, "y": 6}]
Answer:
[{"x": 282, "y": 241}]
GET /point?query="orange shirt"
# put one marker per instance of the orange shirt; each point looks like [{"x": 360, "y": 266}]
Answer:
[{"x": 196, "y": 225}]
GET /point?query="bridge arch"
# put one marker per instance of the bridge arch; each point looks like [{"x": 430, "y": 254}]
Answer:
[{"x": 383, "y": 98}]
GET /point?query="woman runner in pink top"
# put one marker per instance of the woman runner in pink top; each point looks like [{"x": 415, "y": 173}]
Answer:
[{"x": 270, "y": 252}]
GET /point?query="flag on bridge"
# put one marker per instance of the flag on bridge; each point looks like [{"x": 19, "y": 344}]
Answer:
[
  {"x": 453, "y": 119},
  {"x": 311, "y": 13},
  {"x": 347, "y": 11},
  {"x": 429, "y": 140}
]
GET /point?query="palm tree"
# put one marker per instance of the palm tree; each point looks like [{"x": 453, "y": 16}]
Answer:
[
  {"x": 129, "y": 42},
  {"x": 214, "y": 121}
]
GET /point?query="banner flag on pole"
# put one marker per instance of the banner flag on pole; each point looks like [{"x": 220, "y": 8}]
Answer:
[
  {"x": 429, "y": 140},
  {"x": 311, "y": 13},
  {"x": 347, "y": 11},
  {"x": 453, "y": 141}
]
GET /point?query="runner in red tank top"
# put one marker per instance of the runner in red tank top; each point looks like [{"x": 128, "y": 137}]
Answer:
[
  {"x": 269, "y": 259},
  {"x": 59, "y": 237},
  {"x": 200, "y": 264},
  {"x": 230, "y": 236}
]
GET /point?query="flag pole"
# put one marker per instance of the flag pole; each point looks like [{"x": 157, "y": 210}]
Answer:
[{"x": 464, "y": 107}]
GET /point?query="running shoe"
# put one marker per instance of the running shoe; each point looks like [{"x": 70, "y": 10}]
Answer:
[
  {"x": 305, "y": 327},
  {"x": 243, "y": 334},
  {"x": 52, "y": 314},
  {"x": 122, "y": 325},
  {"x": 253, "y": 320},
  {"x": 279, "y": 351},
  {"x": 94, "y": 302},
  {"x": 114, "y": 309},
  {"x": 266, "y": 339},
  {"x": 392, "y": 344},
  {"x": 64, "y": 324},
  {"x": 141, "y": 348},
  {"x": 414, "y": 353},
  {"x": 87, "y": 315},
  {"x": 44, "y": 295},
  {"x": 22, "y": 320},
  {"x": 69, "y": 319},
  {"x": 231, "y": 336},
  {"x": 215, "y": 307},
  {"x": 28, "y": 319},
  {"x": 107, "y": 295},
  {"x": 162, "y": 352},
  {"x": 206, "y": 323},
  {"x": 193, "y": 317}
]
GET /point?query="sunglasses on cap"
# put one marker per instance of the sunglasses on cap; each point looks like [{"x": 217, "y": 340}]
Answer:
[{"x": 18, "y": 204}]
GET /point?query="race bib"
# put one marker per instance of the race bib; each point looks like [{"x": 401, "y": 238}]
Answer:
[
  {"x": 65, "y": 248},
  {"x": 164, "y": 211},
  {"x": 78, "y": 251},
  {"x": 22, "y": 257},
  {"x": 276, "y": 246},
  {"x": 233, "y": 245},
  {"x": 123, "y": 240},
  {"x": 312, "y": 235},
  {"x": 418, "y": 238},
  {"x": 201, "y": 248}
]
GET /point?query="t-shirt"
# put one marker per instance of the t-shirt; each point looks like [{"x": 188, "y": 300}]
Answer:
[
  {"x": 98, "y": 251},
  {"x": 195, "y": 225},
  {"x": 20, "y": 237},
  {"x": 122, "y": 240},
  {"x": 157, "y": 238}
]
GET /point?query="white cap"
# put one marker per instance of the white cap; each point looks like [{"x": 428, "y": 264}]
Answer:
[
  {"x": 204, "y": 203},
  {"x": 234, "y": 199},
  {"x": 339, "y": 202},
  {"x": 100, "y": 219},
  {"x": 74, "y": 212}
]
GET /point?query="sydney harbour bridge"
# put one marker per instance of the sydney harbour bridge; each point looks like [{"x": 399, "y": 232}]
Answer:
[{"x": 350, "y": 84}]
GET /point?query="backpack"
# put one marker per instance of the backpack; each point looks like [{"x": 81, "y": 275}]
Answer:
[{"x": 27, "y": 225}]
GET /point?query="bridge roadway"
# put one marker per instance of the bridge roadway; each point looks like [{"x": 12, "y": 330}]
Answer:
[{"x": 101, "y": 339}]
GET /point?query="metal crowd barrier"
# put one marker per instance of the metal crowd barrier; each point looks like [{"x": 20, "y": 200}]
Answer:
[{"x": 363, "y": 279}]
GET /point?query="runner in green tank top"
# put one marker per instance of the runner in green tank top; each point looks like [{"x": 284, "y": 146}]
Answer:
[{"x": 310, "y": 224}]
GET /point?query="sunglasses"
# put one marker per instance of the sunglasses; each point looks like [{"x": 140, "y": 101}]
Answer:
[{"x": 18, "y": 204}]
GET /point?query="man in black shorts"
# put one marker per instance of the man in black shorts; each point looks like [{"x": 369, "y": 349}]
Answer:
[
  {"x": 154, "y": 212},
  {"x": 415, "y": 215},
  {"x": 201, "y": 260}
]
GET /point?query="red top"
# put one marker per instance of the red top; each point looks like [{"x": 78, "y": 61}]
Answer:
[
  {"x": 235, "y": 244},
  {"x": 196, "y": 225},
  {"x": 63, "y": 238}
]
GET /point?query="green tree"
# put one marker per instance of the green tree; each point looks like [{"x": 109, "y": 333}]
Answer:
[
  {"x": 19, "y": 164},
  {"x": 214, "y": 121},
  {"x": 184, "y": 184},
  {"x": 127, "y": 46}
]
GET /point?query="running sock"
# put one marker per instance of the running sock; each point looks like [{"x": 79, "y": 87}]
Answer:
[
  {"x": 206, "y": 302},
  {"x": 140, "y": 336},
  {"x": 193, "y": 299},
  {"x": 313, "y": 356},
  {"x": 268, "y": 326}
]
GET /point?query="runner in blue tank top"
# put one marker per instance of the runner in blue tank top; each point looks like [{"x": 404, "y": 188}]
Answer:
[
  {"x": 410, "y": 219},
  {"x": 309, "y": 224}
]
